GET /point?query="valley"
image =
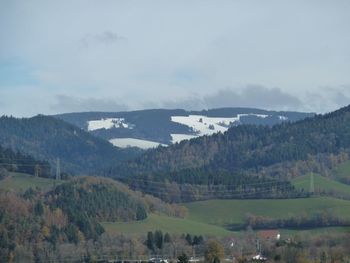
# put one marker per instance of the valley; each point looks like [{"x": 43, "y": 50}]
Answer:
[{"x": 235, "y": 184}]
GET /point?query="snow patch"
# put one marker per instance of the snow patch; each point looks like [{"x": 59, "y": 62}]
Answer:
[
  {"x": 132, "y": 142},
  {"x": 108, "y": 123},
  {"x": 283, "y": 118},
  {"x": 203, "y": 125}
]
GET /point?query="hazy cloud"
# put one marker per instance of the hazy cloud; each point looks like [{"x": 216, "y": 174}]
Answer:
[
  {"x": 253, "y": 96},
  {"x": 191, "y": 103},
  {"x": 106, "y": 37},
  {"x": 250, "y": 96},
  {"x": 327, "y": 99},
  {"x": 174, "y": 54},
  {"x": 72, "y": 104}
]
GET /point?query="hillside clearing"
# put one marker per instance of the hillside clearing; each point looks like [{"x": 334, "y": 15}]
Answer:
[
  {"x": 20, "y": 182},
  {"x": 227, "y": 212},
  {"x": 321, "y": 184},
  {"x": 166, "y": 224}
]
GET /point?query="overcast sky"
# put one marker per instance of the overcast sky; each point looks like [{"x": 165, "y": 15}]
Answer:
[{"x": 62, "y": 56}]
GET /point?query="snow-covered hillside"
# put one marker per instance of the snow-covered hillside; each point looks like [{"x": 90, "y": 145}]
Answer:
[
  {"x": 131, "y": 142},
  {"x": 198, "y": 125},
  {"x": 203, "y": 125},
  {"x": 149, "y": 128},
  {"x": 108, "y": 123}
]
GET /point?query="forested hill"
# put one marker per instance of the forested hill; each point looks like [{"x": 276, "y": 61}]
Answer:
[
  {"x": 70, "y": 213},
  {"x": 248, "y": 148},
  {"x": 48, "y": 138},
  {"x": 166, "y": 126},
  {"x": 16, "y": 162}
]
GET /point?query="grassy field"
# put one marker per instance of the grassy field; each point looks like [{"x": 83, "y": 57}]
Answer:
[
  {"x": 212, "y": 216},
  {"x": 166, "y": 224},
  {"x": 226, "y": 212},
  {"x": 343, "y": 170},
  {"x": 321, "y": 183},
  {"x": 316, "y": 231},
  {"x": 20, "y": 182}
]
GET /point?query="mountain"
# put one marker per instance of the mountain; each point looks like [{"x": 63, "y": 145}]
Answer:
[
  {"x": 150, "y": 128},
  {"x": 248, "y": 154},
  {"x": 48, "y": 138}
]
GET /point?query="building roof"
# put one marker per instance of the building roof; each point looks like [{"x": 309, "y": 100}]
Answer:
[{"x": 269, "y": 234}]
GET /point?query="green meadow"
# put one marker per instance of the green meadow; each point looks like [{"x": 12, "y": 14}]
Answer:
[
  {"x": 19, "y": 182},
  {"x": 166, "y": 224},
  {"x": 321, "y": 184}
]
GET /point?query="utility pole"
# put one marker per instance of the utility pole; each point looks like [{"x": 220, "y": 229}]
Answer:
[
  {"x": 312, "y": 183},
  {"x": 258, "y": 246},
  {"x": 36, "y": 170},
  {"x": 58, "y": 169}
]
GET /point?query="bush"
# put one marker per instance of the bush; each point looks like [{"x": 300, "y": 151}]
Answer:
[{"x": 3, "y": 173}]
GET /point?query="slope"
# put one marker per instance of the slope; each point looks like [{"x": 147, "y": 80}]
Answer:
[
  {"x": 11, "y": 161},
  {"x": 171, "y": 126},
  {"x": 166, "y": 224},
  {"x": 48, "y": 138},
  {"x": 322, "y": 185},
  {"x": 20, "y": 182},
  {"x": 342, "y": 172},
  {"x": 234, "y": 212},
  {"x": 250, "y": 147}
]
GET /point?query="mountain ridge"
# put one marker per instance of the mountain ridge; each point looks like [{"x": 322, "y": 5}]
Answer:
[
  {"x": 245, "y": 155},
  {"x": 48, "y": 138},
  {"x": 167, "y": 126}
]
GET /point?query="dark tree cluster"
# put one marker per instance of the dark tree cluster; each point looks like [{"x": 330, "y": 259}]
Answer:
[
  {"x": 48, "y": 138},
  {"x": 11, "y": 161}
]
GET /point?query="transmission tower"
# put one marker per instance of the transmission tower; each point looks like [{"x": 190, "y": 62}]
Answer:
[
  {"x": 36, "y": 170},
  {"x": 312, "y": 183},
  {"x": 58, "y": 169}
]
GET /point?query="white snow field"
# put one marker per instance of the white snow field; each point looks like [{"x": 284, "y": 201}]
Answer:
[
  {"x": 131, "y": 142},
  {"x": 108, "y": 124},
  {"x": 203, "y": 125},
  {"x": 199, "y": 125}
]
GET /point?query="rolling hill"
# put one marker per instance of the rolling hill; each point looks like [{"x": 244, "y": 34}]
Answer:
[
  {"x": 20, "y": 182},
  {"x": 11, "y": 161},
  {"x": 342, "y": 172},
  {"x": 226, "y": 214},
  {"x": 322, "y": 185},
  {"x": 48, "y": 138},
  {"x": 149, "y": 128},
  {"x": 246, "y": 155},
  {"x": 234, "y": 212},
  {"x": 251, "y": 147},
  {"x": 166, "y": 224}
]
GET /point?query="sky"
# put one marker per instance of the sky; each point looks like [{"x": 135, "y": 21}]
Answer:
[{"x": 114, "y": 55}]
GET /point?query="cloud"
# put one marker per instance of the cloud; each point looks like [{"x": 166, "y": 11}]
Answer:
[
  {"x": 327, "y": 98},
  {"x": 141, "y": 51},
  {"x": 253, "y": 96},
  {"x": 106, "y": 38},
  {"x": 66, "y": 103},
  {"x": 256, "y": 96},
  {"x": 191, "y": 103}
]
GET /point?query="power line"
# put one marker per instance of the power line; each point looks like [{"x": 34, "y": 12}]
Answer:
[
  {"x": 217, "y": 194},
  {"x": 29, "y": 165},
  {"x": 146, "y": 181}
]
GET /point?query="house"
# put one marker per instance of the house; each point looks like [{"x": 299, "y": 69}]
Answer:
[
  {"x": 158, "y": 260},
  {"x": 272, "y": 235},
  {"x": 259, "y": 258}
]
